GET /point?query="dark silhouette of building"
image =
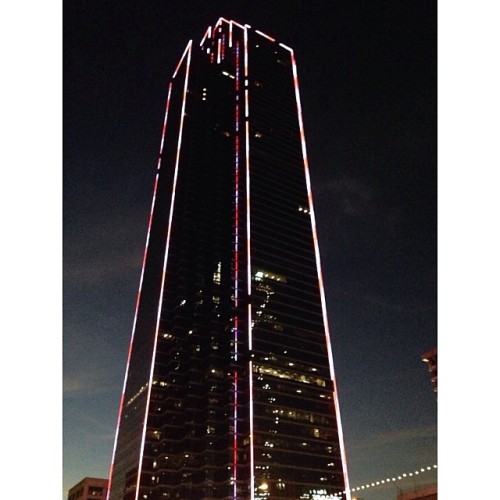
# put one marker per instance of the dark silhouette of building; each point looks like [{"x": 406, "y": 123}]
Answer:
[
  {"x": 422, "y": 493},
  {"x": 230, "y": 390},
  {"x": 89, "y": 488},
  {"x": 430, "y": 357}
]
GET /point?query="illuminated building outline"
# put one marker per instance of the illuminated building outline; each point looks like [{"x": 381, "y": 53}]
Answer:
[{"x": 221, "y": 43}]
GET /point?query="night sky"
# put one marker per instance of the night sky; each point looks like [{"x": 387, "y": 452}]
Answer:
[{"x": 368, "y": 81}]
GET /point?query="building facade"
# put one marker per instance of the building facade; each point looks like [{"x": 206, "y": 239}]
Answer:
[
  {"x": 430, "y": 358},
  {"x": 429, "y": 492},
  {"x": 89, "y": 488},
  {"x": 230, "y": 390}
]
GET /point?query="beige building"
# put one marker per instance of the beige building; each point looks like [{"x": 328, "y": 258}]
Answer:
[
  {"x": 423, "y": 493},
  {"x": 89, "y": 488},
  {"x": 430, "y": 357}
]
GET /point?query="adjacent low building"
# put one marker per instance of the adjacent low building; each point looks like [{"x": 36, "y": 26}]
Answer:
[
  {"x": 89, "y": 488},
  {"x": 430, "y": 357},
  {"x": 423, "y": 493}
]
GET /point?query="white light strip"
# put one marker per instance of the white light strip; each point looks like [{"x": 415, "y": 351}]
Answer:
[
  {"x": 320, "y": 277},
  {"x": 237, "y": 194},
  {"x": 286, "y": 47},
  {"x": 179, "y": 140},
  {"x": 265, "y": 36},
  {"x": 129, "y": 355},
  {"x": 207, "y": 33},
  {"x": 230, "y": 33},
  {"x": 245, "y": 42},
  {"x": 393, "y": 479},
  {"x": 182, "y": 58},
  {"x": 249, "y": 265},
  {"x": 252, "y": 459},
  {"x": 218, "y": 50},
  {"x": 220, "y": 20},
  {"x": 238, "y": 24}
]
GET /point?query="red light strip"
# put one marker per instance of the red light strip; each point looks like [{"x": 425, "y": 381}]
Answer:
[
  {"x": 179, "y": 141},
  {"x": 164, "y": 123},
  {"x": 129, "y": 355},
  {"x": 265, "y": 36},
  {"x": 320, "y": 277}
]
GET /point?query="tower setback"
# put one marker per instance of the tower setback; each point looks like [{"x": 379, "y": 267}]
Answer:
[{"x": 229, "y": 390}]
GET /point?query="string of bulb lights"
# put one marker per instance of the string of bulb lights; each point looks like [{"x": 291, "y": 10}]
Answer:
[{"x": 394, "y": 478}]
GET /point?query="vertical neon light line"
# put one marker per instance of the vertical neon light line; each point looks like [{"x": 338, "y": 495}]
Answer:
[
  {"x": 320, "y": 277},
  {"x": 249, "y": 266},
  {"x": 129, "y": 354},
  {"x": 235, "y": 438},
  {"x": 236, "y": 264},
  {"x": 247, "y": 186},
  {"x": 174, "y": 183},
  {"x": 230, "y": 34}
]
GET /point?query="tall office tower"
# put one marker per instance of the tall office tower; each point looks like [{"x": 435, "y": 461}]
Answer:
[{"x": 229, "y": 390}]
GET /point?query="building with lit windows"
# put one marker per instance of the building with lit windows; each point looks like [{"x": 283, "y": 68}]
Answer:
[
  {"x": 430, "y": 358},
  {"x": 89, "y": 488},
  {"x": 429, "y": 492},
  {"x": 229, "y": 389}
]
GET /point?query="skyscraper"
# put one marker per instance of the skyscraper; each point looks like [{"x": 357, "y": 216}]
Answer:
[{"x": 229, "y": 390}]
